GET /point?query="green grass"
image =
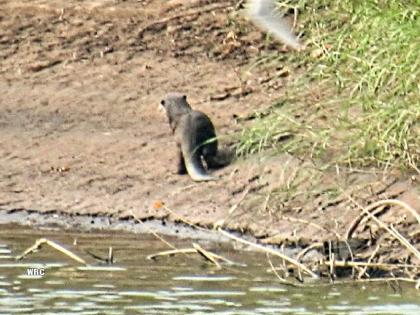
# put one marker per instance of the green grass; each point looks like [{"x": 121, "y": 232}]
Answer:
[{"x": 356, "y": 99}]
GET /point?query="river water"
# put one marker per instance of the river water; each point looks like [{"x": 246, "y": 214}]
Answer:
[{"x": 182, "y": 284}]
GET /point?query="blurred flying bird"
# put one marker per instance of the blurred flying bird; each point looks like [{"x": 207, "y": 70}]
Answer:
[{"x": 266, "y": 16}]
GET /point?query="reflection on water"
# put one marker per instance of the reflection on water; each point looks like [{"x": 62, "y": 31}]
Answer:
[{"x": 176, "y": 285}]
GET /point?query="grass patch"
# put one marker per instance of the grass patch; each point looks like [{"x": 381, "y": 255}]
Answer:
[{"x": 356, "y": 100}]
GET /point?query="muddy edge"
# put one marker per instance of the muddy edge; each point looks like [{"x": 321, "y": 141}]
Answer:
[{"x": 81, "y": 134}]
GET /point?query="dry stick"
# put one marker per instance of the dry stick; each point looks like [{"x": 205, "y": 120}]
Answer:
[
  {"x": 265, "y": 204},
  {"x": 274, "y": 270},
  {"x": 405, "y": 241},
  {"x": 393, "y": 232},
  {"x": 353, "y": 225},
  {"x": 153, "y": 232},
  {"x": 344, "y": 263},
  {"x": 111, "y": 255},
  {"x": 197, "y": 248},
  {"x": 332, "y": 260},
  {"x": 54, "y": 245},
  {"x": 235, "y": 206},
  {"x": 363, "y": 271},
  {"x": 183, "y": 220},
  {"x": 229, "y": 262},
  {"x": 372, "y": 280},
  {"x": 172, "y": 252},
  {"x": 232, "y": 209},
  {"x": 414, "y": 233},
  {"x": 271, "y": 251},
  {"x": 212, "y": 256},
  {"x": 207, "y": 255},
  {"x": 307, "y": 249},
  {"x": 292, "y": 219},
  {"x": 395, "y": 202},
  {"x": 353, "y": 281},
  {"x": 320, "y": 228}
]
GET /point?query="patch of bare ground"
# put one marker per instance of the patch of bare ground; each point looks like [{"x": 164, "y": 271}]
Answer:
[{"x": 81, "y": 133}]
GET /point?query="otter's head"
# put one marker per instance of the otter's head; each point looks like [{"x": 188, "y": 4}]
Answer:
[{"x": 175, "y": 105}]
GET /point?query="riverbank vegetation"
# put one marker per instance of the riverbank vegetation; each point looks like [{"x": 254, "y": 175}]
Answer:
[{"x": 355, "y": 100}]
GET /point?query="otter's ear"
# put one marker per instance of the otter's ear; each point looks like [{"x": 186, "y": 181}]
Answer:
[
  {"x": 162, "y": 102},
  {"x": 184, "y": 97}
]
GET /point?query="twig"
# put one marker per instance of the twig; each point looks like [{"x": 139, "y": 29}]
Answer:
[
  {"x": 109, "y": 260},
  {"x": 332, "y": 261},
  {"x": 183, "y": 220},
  {"x": 172, "y": 252},
  {"x": 355, "y": 223},
  {"x": 235, "y": 206},
  {"x": 414, "y": 233},
  {"x": 392, "y": 231},
  {"x": 274, "y": 269},
  {"x": 271, "y": 251},
  {"x": 229, "y": 262},
  {"x": 363, "y": 271},
  {"x": 374, "y": 280},
  {"x": 395, "y": 202},
  {"x": 41, "y": 241},
  {"x": 319, "y": 227},
  {"x": 153, "y": 232},
  {"x": 307, "y": 249},
  {"x": 196, "y": 250},
  {"x": 207, "y": 255},
  {"x": 405, "y": 242},
  {"x": 385, "y": 266},
  {"x": 111, "y": 255}
]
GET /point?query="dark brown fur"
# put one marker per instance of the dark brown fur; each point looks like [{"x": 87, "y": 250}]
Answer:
[{"x": 195, "y": 137}]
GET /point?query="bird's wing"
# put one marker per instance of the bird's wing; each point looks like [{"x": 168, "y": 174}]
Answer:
[{"x": 263, "y": 14}]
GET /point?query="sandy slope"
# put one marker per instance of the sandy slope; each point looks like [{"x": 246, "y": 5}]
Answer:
[{"x": 80, "y": 131}]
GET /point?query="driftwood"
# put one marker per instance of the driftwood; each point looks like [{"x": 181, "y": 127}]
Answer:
[
  {"x": 197, "y": 249},
  {"x": 172, "y": 252},
  {"x": 56, "y": 246},
  {"x": 366, "y": 212},
  {"x": 391, "y": 229},
  {"x": 270, "y": 251}
]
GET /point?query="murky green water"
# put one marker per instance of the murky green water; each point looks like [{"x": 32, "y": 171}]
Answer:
[{"x": 176, "y": 285}]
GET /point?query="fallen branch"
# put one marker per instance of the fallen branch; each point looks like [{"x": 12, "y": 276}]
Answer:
[
  {"x": 355, "y": 223},
  {"x": 371, "y": 280},
  {"x": 394, "y": 202},
  {"x": 270, "y": 251},
  {"x": 153, "y": 232},
  {"x": 207, "y": 255},
  {"x": 235, "y": 206},
  {"x": 182, "y": 219},
  {"x": 172, "y": 252},
  {"x": 227, "y": 261},
  {"x": 107, "y": 260},
  {"x": 307, "y": 249},
  {"x": 363, "y": 271},
  {"x": 391, "y": 230},
  {"x": 213, "y": 258},
  {"x": 385, "y": 266},
  {"x": 56, "y": 246}
]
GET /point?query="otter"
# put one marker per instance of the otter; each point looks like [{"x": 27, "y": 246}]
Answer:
[{"x": 195, "y": 137}]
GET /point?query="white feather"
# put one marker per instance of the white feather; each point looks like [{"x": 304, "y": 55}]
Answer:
[{"x": 263, "y": 14}]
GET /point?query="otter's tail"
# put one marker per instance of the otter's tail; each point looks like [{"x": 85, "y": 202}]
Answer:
[
  {"x": 193, "y": 163},
  {"x": 223, "y": 158}
]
